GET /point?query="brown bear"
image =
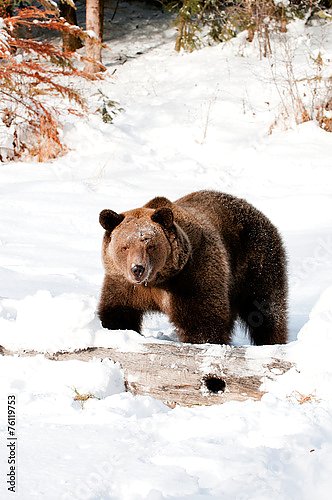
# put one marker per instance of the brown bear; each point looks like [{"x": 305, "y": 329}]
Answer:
[{"x": 205, "y": 260}]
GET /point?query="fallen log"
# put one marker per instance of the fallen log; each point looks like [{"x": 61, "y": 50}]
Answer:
[{"x": 187, "y": 374}]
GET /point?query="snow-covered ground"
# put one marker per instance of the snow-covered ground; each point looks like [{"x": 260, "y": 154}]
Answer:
[{"x": 190, "y": 121}]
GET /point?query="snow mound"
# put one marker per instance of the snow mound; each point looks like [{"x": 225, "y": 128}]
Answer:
[
  {"x": 312, "y": 376},
  {"x": 312, "y": 351},
  {"x": 46, "y": 387},
  {"x": 66, "y": 322},
  {"x": 47, "y": 323}
]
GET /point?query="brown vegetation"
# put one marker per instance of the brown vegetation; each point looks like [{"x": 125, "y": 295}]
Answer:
[{"x": 30, "y": 71}]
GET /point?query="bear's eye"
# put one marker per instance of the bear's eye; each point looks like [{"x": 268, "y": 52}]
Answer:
[
  {"x": 124, "y": 248},
  {"x": 152, "y": 246}
]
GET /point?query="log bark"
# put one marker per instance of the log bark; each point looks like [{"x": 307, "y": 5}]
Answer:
[{"x": 186, "y": 374}]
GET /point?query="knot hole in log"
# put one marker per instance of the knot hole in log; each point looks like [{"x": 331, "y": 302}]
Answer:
[{"x": 214, "y": 384}]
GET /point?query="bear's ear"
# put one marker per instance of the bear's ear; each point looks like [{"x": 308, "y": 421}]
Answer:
[
  {"x": 164, "y": 217},
  {"x": 109, "y": 219},
  {"x": 158, "y": 202}
]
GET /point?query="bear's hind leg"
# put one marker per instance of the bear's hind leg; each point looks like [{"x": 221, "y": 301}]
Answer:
[{"x": 266, "y": 322}]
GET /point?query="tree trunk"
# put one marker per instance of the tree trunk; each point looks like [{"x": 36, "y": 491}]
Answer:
[
  {"x": 94, "y": 26},
  {"x": 188, "y": 374},
  {"x": 70, "y": 42}
]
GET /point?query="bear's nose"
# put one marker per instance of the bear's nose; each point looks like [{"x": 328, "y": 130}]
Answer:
[{"x": 137, "y": 270}]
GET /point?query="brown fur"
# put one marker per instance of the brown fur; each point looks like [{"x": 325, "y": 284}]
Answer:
[{"x": 208, "y": 259}]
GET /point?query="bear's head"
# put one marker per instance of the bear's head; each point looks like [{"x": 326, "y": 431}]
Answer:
[{"x": 143, "y": 245}]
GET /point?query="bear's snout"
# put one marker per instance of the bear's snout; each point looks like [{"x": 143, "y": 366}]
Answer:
[{"x": 137, "y": 271}]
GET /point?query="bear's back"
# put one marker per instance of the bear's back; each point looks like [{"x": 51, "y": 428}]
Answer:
[
  {"x": 227, "y": 214},
  {"x": 245, "y": 231}
]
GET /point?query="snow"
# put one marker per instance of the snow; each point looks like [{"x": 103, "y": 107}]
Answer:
[
  {"x": 283, "y": 3},
  {"x": 4, "y": 46},
  {"x": 91, "y": 34},
  {"x": 190, "y": 121}
]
